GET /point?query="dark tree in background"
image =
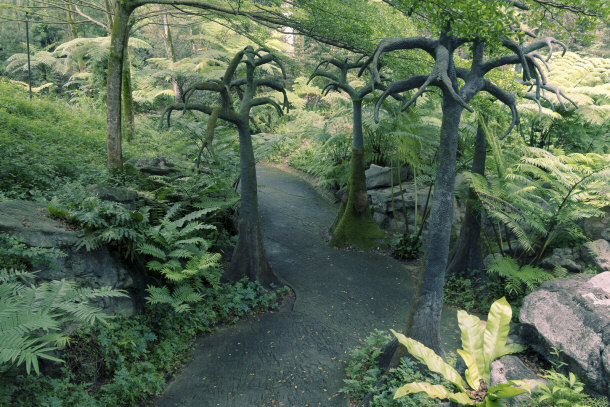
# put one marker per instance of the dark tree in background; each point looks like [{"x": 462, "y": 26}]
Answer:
[{"x": 249, "y": 258}]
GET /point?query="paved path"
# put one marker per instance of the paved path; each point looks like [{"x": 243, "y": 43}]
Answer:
[{"x": 297, "y": 358}]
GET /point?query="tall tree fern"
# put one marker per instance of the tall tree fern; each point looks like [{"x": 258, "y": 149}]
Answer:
[{"x": 541, "y": 196}]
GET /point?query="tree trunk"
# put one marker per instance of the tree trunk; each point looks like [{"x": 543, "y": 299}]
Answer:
[
  {"x": 118, "y": 37},
  {"x": 128, "y": 118},
  {"x": 355, "y": 225},
  {"x": 425, "y": 323},
  {"x": 467, "y": 252},
  {"x": 171, "y": 54},
  {"x": 249, "y": 258}
]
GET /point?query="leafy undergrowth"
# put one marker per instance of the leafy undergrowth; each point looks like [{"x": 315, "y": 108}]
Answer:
[
  {"x": 128, "y": 359},
  {"x": 362, "y": 376},
  {"x": 44, "y": 142}
]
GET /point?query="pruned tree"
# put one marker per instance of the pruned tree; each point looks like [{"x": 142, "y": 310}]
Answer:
[
  {"x": 489, "y": 32},
  {"x": 249, "y": 258},
  {"x": 354, "y": 224}
]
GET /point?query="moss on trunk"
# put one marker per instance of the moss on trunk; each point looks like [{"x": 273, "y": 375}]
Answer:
[{"x": 355, "y": 225}]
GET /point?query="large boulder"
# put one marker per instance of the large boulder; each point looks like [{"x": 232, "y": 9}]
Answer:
[
  {"x": 573, "y": 315},
  {"x": 379, "y": 177},
  {"x": 392, "y": 202},
  {"x": 563, "y": 257},
  {"x": 597, "y": 254},
  {"x": 31, "y": 222},
  {"x": 125, "y": 196}
]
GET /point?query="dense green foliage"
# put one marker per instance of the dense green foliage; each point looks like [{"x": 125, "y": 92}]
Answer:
[
  {"x": 541, "y": 182},
  {"x": 32, "y": 317},
  {"x": 363, "y": 374},
  {"x": 180, "y": 225},
  {"x": 127, "y": 360}
]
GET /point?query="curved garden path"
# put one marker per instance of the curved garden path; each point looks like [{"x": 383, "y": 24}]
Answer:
[{"x": 297, "y": 358}]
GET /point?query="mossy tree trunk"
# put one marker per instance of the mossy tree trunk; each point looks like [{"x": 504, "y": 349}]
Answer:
[
  {"x": 354, "y": 223},
  {"x": 118, "y": 38},
  {"x": 170, "y": 52},
  {"x": 249, "y": 258},
  {"x": 127, "y": 101}
]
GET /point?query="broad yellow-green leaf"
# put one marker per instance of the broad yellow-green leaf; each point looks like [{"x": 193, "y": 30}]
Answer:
[
  {"x": 472, "y": 342},
  {"x": 435, "y": 391},
  {"x": 492, "y": 403},
  {"x": 512, "y": 348},
  {"x": 496, "y": 330},
  {"x": 504, "y": 391},
  {"x": 472, "y": 374},
  {"x": 526, "y": 384},
  {"x": 461, "y": 398},
  {"x": 434, "y": 362}
]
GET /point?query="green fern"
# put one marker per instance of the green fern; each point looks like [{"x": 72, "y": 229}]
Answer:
[
  {"x": 542, "y": 195},
  {"x": 519, "y": 280},
  {"x": 180, "y": 254},
  {"x": 104, "y": 222},
  {"x": 31, "y": 317}
]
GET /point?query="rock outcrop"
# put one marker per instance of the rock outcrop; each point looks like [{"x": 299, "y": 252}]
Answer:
[
  {"x": 380, "y": 177},
  {"x": 573, "y": 315},
  {"x": 597, "y": 254},
  {"x": 31, "y": 222},
  {"x": 509, "y": 368},
  {"x": 393, "y": 207},
  {"x": 563, "y": 257}
]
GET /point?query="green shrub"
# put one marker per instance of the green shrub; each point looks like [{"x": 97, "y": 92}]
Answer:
[
  {"x": 562, "y": 390},
  {"x": 45, "y": 142},
  {"x": 104, "y": 222},
  {"x": 481, "y": 346},
  {"x": 362, "y": 376}
]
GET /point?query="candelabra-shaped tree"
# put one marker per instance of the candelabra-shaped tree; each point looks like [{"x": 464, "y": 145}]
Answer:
[
  {"x": 425, "y": 314},
  {"x": 249, "y": 258},
  {"x": 354, "y": 224}
]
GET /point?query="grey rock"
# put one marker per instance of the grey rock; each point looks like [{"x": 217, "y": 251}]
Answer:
[
  {"x": 382, "y": 220},
  {"x": 123, "y": 196},
  {"x": 597, "y": 254},
  {"x": 598, "y": 227},
  {"x": 489, "y": 258},
  {"x": 378, "y": 177},
  {"x": 510, "y": 368},
  {"x": 31, "y": 222},
  {"x": 572, "y": 314},
  {"x": 563, "y": 257},
  {"x": 153, "y": 165}
]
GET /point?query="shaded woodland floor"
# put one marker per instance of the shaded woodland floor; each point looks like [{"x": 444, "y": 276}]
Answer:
[{"x": 297, "y": 358}]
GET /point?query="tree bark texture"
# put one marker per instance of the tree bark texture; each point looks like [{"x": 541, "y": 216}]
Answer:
[
  {"x": 466, "y": 254},
  {"x": 249, "y": 258},
  {"x": 425, "y": 321},
  {"x": 127, "y": 101},
  {"x": 118, "y": 38},
  {"x": 171, "y": 54}
]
